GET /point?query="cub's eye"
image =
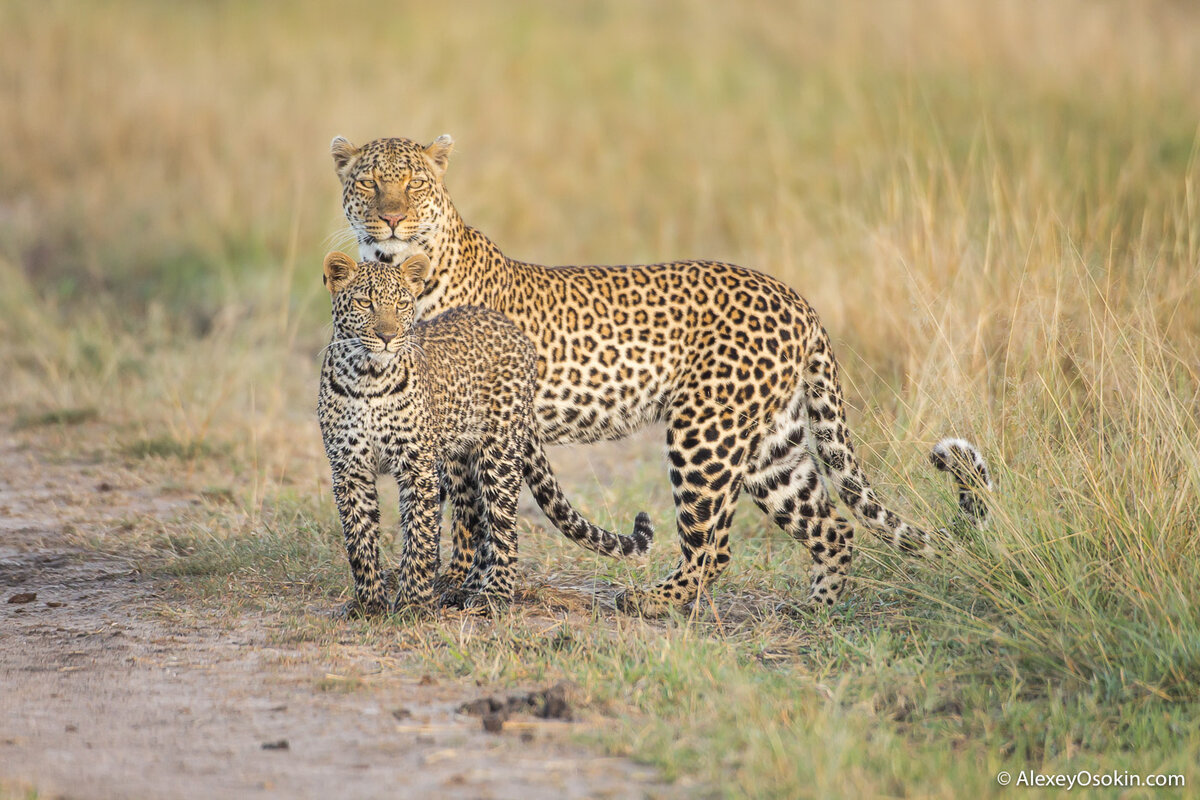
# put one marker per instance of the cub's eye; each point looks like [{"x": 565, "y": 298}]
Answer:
[
  {"x": 366, "y": 183},
  {"x": 416, "y": 184},
  {"x": 403, "y": 302},
  {"x": 362, "y": 302}
]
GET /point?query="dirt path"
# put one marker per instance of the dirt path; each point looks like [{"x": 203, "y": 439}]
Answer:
[{"x": 109, "y": 689}]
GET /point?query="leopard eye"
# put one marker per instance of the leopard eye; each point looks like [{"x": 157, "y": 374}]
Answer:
[
  {"x": 403, "y": 302},
  {"x": 366, "y": 183},
  {"x": 417, "y": 184},
  {"x": 362, "y": 302}
]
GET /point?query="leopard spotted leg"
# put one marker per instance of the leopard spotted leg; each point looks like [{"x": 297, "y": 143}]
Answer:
[
  {"x": 357, "y": 500},
  {"x": 417, "y": 479},
  {"x": 786, "y": 486},
  {"x": 500, "y": 476},
  {"x": 481, "y": 540},
  {"x": 707, "y": 446},
  {"x": 466, "y": 502}
]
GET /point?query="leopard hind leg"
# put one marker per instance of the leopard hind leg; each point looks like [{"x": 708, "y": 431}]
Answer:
[
  {"x": 499, "y": 469},
  {"x": 707, "y": 447},
  {"x": 468, "y": 530},
  {"x": 786, "y": 485}
]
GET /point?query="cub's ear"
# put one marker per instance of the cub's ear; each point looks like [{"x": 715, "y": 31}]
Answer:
[
  {"x": 416, "y": 270},
  {"x": 339, "y": 269},
  {"x": 439, "y": 153},
  {"x": 344, "y": 154}
]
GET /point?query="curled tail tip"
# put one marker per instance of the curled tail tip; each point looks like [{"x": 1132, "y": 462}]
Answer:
[
  {"x": 962, "y": 460},
  {"x": 964, "y": 463},
  {"x": 643, "y": 533}
]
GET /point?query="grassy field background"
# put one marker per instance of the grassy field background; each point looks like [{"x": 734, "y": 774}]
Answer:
[{"x": 995, "y": 207}]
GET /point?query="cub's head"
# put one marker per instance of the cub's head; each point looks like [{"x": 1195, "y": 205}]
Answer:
[
  {"x": 373, "y": 302},
  {"x": 392, "y": 192}
]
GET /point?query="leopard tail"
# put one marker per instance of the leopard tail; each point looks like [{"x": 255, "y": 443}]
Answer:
[
  {"x": 839, "y": 463},
  {"x": 558, "y": 509}
]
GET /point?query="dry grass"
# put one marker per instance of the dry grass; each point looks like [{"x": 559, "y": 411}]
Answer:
[{"x": 994, "y": 206}]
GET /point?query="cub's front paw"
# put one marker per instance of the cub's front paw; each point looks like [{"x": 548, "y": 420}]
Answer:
[
  {"x": 454, "y": 597},
  {"x": 412, "y": 605},
  {"x": 354, "y": 609},
  {"x": 487, "y": 603},
  {"x": 448, "y": 580}
]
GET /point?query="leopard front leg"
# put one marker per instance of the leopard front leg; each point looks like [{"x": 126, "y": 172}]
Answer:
[
  {"x": 357, "y": 501},
  {"x": 417, "y": 479}
]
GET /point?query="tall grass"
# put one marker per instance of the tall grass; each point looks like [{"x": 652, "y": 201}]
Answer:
[{"x": 995, "y": 207}]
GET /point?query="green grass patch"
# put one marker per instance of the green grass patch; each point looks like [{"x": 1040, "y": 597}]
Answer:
[
  {"x": 167, "y": 446},
  {"x": 57, "y": 416},
  {"x": 340, "y": 684}
]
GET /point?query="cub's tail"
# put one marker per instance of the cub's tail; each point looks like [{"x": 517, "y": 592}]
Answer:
[{"x": 558, "y": 509}]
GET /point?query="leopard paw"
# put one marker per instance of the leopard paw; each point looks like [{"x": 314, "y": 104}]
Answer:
[{"x": 641, "y": 604}]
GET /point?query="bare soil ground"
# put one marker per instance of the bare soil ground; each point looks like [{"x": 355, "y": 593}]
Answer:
[{"x": 115, "y": 687}]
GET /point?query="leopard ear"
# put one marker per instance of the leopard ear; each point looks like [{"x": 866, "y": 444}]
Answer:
[
  {"x": 339, "y": 269},
  {"x": 438, "y": 153},
  {"x": 343, "y": 154},
  {"x": 416, "y": 269}
]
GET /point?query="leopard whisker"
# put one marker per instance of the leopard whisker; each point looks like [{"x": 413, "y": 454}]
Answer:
[
  {"x": 341, "y": 238},
  {"x": 347, "y": 342}
]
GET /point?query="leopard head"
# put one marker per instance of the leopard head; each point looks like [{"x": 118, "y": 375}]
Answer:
[
  {"x": 373, "y": 303},
  {"x": 393, "y": 194}
]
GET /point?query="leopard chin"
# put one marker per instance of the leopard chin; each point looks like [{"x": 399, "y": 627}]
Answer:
[{"x": 392, "y": 250}]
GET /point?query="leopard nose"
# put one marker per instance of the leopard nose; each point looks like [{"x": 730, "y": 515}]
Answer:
[
  {"x": 393, "y": 219},
  {"x": 385, "y": 337}
]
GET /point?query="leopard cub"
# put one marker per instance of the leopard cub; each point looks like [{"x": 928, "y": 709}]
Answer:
[{"x": 451, "y": 396}]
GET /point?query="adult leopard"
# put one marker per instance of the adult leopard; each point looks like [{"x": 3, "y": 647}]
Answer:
[{"x": 735, "y": 363}]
